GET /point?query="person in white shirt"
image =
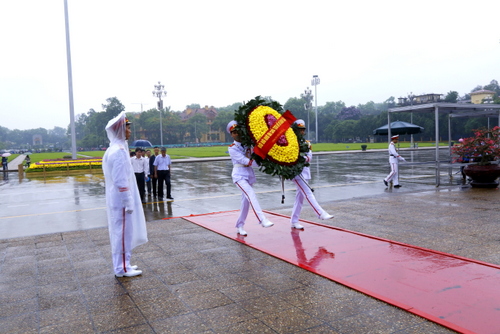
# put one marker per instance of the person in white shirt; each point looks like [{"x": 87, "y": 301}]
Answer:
[
  {"x": 126, "y": 222},
  {"x": 244, "y": 177},
  {"x": 163, "y": 172},
  {"x": 394, "y": 159},
  {"x": 140, "y": 166},
  {"x": 304, "y": 190}
]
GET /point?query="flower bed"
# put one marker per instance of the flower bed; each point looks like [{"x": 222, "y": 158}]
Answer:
[{"x": 50, "y": 165}]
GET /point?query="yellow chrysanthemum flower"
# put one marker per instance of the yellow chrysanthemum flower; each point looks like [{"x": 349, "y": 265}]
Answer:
[{"x": 282, "y": 153}]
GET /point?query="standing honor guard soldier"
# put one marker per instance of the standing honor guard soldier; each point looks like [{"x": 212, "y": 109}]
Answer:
[
  {"x": 394, "y": 159},
  {"x": 126, "y": 222},
  {"x": 303, "y": 188},
  {"x": 244, "y": 177}
]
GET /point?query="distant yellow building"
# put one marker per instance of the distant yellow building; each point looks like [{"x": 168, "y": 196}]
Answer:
[{"x": 479, "y": 96}]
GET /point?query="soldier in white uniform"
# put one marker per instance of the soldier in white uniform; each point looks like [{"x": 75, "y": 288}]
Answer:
[
  {"x": 126, "y": 222},
  {"x": 244, "y": 177},
  {"x": 303, "y": 189},
  {"x": 394, "y": 159}
]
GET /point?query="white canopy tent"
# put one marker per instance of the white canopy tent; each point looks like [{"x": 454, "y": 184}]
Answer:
[{"x": 453, "y": 110}]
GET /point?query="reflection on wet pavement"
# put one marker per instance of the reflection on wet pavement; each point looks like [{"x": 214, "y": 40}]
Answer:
[{"x": 38, "y": 205}]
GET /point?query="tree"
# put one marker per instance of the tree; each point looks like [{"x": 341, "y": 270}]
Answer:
[
  {"x": 478, "y": 87},
  {"x": 369, "y": 108},
  {"x": 350, "y": 113},
  {"x": 451, "y": 97},
  {"x": 113, "y": 107},
  {"x": 493, "y": 86},
  {"x": 296, "y": 107},
  {"x": 220, "y": 122},
  {"x": 390, "y": 102},
  {"x": 332, "y": 108},
  {"x": 197, "y": 126},
  {"x": 230, "y": 108},
  {"x": 344, "y": 130},
  {"x": 193, "y": 106}
]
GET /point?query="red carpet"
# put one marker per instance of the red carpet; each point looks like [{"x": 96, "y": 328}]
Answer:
[{"x": 458, "y": 293}]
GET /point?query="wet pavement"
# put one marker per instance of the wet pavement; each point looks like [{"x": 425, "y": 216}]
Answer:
[
  {"x": 61, "y": 203},
  {"x": 55, "y": 265}
]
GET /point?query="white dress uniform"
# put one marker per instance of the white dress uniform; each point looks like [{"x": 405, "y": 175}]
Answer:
[
  {"x": 126, "y": 222},
  {"x": 394, "y": 159},
  {"x": 303, "y": 191},
  {"x": 244, "y": 177}
]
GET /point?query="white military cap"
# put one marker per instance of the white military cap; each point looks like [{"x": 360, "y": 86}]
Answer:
[
  {"x": 300, "y": 123},
  {"x": 231, "y": 125}
]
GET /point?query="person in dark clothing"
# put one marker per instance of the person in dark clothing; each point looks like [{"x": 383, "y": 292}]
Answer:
[{"x": 154, "y": 179}]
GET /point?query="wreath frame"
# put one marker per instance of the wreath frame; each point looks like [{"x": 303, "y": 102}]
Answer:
[{"x": 268, "y": 165}]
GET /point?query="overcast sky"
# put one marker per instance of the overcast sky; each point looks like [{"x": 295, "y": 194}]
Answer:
[{"x": 219, "y": 52}]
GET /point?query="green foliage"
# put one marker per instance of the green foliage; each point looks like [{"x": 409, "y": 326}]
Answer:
[
  {"x": 451, "y": 97},
  {"x": 296, "y": 107},
  {"x": 221, "y": 120},
  {"x": 146, "y": 125}
]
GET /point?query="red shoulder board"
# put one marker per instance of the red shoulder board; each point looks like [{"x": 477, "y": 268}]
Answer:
[{"x": 231, "y": 145}]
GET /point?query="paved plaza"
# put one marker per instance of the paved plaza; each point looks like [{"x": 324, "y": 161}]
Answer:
[{"x": 197, "y": 281}]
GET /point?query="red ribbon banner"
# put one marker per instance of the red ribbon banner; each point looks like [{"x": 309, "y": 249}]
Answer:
[{"x": 267, "y": 141}]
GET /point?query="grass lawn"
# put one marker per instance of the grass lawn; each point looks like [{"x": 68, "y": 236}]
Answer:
[{"x": 221, "y": 151}]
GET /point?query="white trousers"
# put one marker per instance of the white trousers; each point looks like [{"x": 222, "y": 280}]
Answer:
[
  {"x": 394, "y": 174},
  {"x": 303, "y": 191},
  {"x": 121, "y": 239},
  {"x": 248, "y": 198}
]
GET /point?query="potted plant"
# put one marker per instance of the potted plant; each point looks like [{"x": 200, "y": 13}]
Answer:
[{"x": 480, "y": 151}]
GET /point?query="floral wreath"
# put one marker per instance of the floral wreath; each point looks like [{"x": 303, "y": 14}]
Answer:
[{"x": 286, "y": 157}]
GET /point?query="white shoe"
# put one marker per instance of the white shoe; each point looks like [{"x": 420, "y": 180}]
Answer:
[
  {"x": 241, "y": 231},
  {"x": 325, "y": 216},
  {"x": 297, "y": 226},
  {"x": 134, "y": 267},
  {"x": 130, "y": 273},
  {"x": 266, "y": 223}
]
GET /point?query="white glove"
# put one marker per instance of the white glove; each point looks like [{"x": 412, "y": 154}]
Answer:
[{"x": 128, "y": 210}]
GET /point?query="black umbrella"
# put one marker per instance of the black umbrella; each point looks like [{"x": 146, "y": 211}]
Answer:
[
  {"x": 141, "y": 143},
  {"x": 399, "y": 128}
]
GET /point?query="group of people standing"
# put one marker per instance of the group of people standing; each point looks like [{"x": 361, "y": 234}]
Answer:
[{"x": 152, "y": 172}]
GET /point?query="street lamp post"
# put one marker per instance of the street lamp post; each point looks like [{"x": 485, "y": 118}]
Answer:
[
  {"x": 315, "y": 83},
  {"x": 159, "y": 92},
  {"x": 307, "y": 96}
]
